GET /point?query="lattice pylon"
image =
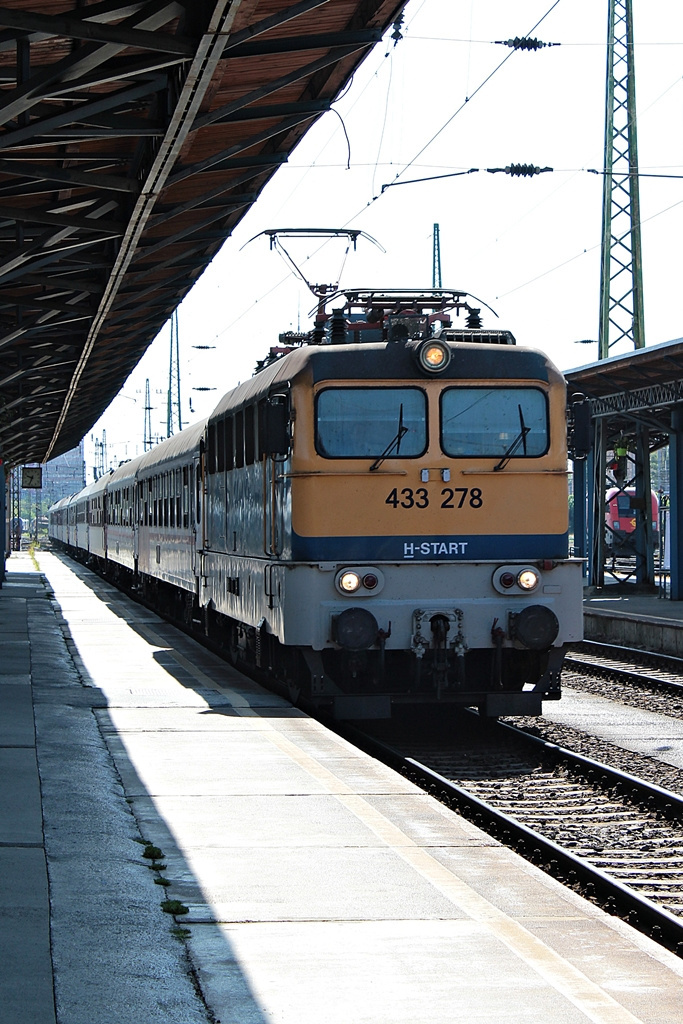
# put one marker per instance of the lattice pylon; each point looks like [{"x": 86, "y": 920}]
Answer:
[
  {"x": 173, "y": 412},
  {"x": 148, "y": 442},
  {"x": 621, "y": 279},
  {"x": 436, "y": 258}
]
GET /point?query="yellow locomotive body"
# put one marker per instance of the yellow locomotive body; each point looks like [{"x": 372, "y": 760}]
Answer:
[
  {"x": 427, "y": 575},
  {"x": 377, "y": 517}
]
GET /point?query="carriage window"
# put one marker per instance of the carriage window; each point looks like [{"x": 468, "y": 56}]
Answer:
[
  {"x": 249, "y": 435},
  {"x": 211, "y": 459},
  {"x": 239, "y": 440},
  {"x": 220, "y": 446},
  {"x": 198, "y": 496},
  {"x": 229, "y": 444},
  {"x": 494, "y": 422},
  {"x": 368, "y": 422}
]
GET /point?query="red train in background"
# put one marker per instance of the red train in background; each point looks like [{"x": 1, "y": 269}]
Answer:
[{"x": 620, "y": 519}]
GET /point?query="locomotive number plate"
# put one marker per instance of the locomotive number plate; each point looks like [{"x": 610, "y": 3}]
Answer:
[{"x": 449, "y": 497}]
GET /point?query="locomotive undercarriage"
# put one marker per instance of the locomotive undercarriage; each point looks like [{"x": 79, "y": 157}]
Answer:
[{"x": 360, "y": 684}]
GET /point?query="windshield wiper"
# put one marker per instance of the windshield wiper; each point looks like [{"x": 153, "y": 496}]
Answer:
[
  {"x": 519, "y": 439},
  {"x": 394, "y": 443}
]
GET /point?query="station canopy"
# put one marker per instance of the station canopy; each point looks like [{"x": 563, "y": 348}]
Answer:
[
  {"x": 133, "y": 138},
  {"x": 639, "y": 387}
]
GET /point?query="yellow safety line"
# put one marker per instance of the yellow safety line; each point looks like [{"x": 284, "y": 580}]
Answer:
[{"x": 596, "y": 1004}]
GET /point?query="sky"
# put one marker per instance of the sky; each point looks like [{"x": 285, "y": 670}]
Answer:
[{"x": 443, "y": 100}]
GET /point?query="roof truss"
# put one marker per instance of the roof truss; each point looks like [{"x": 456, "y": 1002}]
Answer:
[{"x": 133, "y": 138}]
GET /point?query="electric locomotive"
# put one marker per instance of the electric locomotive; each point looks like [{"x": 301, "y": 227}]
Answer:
[{"x": 379, "y": 516}]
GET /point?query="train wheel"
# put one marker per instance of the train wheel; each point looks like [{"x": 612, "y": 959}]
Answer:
[
  {"x": 293, "y": 693},
  {"x": 232, "y": 642}
]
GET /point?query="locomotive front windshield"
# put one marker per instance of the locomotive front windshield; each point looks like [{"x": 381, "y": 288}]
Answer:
[
  {"x": 494, "y": 422},
  {"x": 369, "y": 422}
]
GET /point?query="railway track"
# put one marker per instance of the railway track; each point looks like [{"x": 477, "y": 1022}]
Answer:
[
  {"x": 638, "y": 678},
  {"x": 615, "y": 838}
]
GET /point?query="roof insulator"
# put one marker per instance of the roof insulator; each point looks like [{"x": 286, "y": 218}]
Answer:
[
  {"x": 397, "y": 35},
  {"x": 524, "y": 43},
  {"x": 525, "y": 170},
  {"x": 519, "y": 170}
]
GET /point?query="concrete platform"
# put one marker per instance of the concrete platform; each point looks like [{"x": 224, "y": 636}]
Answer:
[
  {"x": 634, "y": 620},
  {"x": 320, "y": 886},
  {"x": 645, "y": 732}
]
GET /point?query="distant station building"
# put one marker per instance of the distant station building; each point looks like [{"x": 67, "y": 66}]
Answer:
[{"x": 63, "y": 476}]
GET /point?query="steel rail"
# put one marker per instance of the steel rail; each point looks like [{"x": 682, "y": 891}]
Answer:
[
  {"x": 670, "y": 659},
  {"x": 596, "y": 884},
  {"x": 628, "y": 672}
]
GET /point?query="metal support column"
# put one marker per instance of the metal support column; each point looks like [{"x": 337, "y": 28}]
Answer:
[
  {"x": 644, "y": 539},
  {"x": 590, "y": 518},
  {"x": 596, "y": 576},
  {"x": 4, "y": 532},
  {"x": 676, "y": 507},
  {"x": 579, "y": 517}
]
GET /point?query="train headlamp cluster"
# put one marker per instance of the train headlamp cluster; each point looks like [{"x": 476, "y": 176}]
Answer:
[
  {"x": 358, "y": 580},
  {"x": 433, "y": 356},
  {"x": 515, "y": 579}
]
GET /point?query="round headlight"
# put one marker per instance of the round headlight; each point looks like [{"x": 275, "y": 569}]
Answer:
[
  {"x": 507, "y": 580},
  {"x": 370, "y": 581},
  {"x": 528, "y": 579},
  {"x": 434, "y": 356},
  {"x": 349, "y": 582}
]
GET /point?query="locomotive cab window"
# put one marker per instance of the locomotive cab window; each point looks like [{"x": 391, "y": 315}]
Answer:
[
  {"x": 365, "y": 423},
  {"x": 494, "y": 422}
]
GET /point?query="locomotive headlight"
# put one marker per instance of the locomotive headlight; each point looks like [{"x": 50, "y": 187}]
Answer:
[
  {"x": 528, "y": 579},
  {"x": 359, "y": 581},
  {"x": 349, "y": 582},
  {"x": 434, "y": 356}
]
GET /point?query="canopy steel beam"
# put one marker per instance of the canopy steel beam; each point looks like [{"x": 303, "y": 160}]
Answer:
[{"x": 128, "y": 132}]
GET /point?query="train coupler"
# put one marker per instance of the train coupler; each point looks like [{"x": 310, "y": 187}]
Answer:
[
  {"x": 550, "y": 682},
  {"x": 382, "y": 637},
  {"x": 498, "y": 637}
]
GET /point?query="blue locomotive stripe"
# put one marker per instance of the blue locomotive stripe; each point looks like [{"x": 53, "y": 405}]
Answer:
[{"x": 447, "y": 547}]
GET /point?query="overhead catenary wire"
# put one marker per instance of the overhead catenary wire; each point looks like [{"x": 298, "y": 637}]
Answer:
[
  {"x": 469, "y": 171},
  {"x": 467, "y": 100},
  {"x": 583, "y": 252}
]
